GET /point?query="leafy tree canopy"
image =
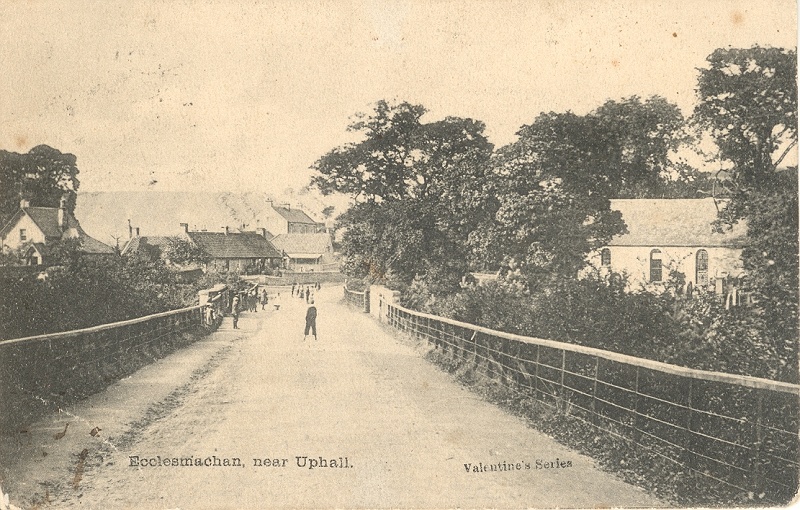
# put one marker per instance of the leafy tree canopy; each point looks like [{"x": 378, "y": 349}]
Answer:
[
  {"x": 554, "y": 183},
  {"x": 181, "y": 251},
  {"x": 418, "y": 189},
  {"x": 43, "y": 176},
  {"x": 748, "y": 103},
  {"x": 400, "y": 157}
]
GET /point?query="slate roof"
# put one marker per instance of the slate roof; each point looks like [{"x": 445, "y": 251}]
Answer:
[
  {"x": 674, "y": 222},
  {"x": 137, "y": 242},
  {"x": 294, "y": 215},
  {"x": 234, "y": 245},
  {"x": 317, "y": 244},
  {"x": 46, "y": 218}
]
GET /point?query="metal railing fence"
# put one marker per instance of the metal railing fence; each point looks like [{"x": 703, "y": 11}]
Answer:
[
  {"x": 49, "y": 371},
  {"x": 358, "y": 299},
  {"x": 728, "y": 429}
]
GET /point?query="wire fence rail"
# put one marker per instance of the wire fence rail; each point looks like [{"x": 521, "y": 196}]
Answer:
[
  {"x": 357, "y": 299},
  {"x": 47, "y": 372},
  {"x": 738, "y": 431}
]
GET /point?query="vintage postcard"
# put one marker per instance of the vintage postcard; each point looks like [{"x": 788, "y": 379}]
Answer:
[{"x": 398, "y": 254}]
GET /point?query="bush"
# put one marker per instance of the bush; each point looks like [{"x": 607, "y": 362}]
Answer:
[
  {"x": 85, "y": 291},
  {"x": 597, "y": 312}
]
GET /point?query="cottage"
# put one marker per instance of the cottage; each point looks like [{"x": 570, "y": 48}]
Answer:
[
  {"x": 286, "y": 220},
  {"x": 307, "y": 252},
  {"x": 237, "y": 251},
  {"x": 673, "y": 234},
  {"x": 31, "y": 229}
]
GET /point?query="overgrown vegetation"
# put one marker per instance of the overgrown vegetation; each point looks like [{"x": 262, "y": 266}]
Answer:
[
  {"x": 79, "y": 291},
  {"x": 435, "y": 201}
]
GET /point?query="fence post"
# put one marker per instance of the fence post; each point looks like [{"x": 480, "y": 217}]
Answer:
[
  {"x": 687, "y": 445},
  {"x": 636, "y": 434},
  {"x": 536, "y": 375},
  {"x": 561, "y": 395},
  {"x": 757, "y": 440},
  {"x": 594, "y": 389}
]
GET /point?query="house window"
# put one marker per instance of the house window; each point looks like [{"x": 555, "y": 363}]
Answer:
[
  {"x": 656, "y": 268},
  {"x": 605, "y": 257},
  {"x": 23, "y": 234},
  {"x": 702, "y": 268}
]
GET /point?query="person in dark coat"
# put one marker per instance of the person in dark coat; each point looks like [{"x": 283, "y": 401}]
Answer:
[
  {"x": 235, "y": 312},
  {"x": 264, "y": 298},
  {"x": 311, "y": 321}
]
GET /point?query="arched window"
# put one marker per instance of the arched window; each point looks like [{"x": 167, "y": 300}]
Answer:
[
  {"x": 701, "y": 266},
  {"x": 605, "y": 257},
  {"x": 656, "y": 272}
]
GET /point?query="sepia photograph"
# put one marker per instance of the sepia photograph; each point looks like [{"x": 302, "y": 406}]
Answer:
[{"x": 422, "y": 254}]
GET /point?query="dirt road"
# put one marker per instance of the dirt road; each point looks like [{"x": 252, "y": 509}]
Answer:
[{"x": 275, "y": 408}]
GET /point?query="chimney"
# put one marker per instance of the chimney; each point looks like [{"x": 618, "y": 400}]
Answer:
[
  {"x": 130, "y": 229},
  {"x": 24, "y": 204},
  {"x": 185, "y": 227},
  {"x": 62, "y": 217},
  {"x": 262, "y": 231},
  {"x": 227, "y": 231},
  {"x": 137, "y": 231}
]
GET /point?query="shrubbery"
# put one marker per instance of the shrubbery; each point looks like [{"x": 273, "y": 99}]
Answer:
[
  {"x": 84, "y": 291},
  {"x": 597, "y": 312}
]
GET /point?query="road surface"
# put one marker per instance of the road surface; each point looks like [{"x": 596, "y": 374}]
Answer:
[{"x": 275, "y": 408}]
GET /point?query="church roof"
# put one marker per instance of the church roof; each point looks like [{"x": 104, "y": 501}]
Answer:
[{"x": 674, "y": 222}]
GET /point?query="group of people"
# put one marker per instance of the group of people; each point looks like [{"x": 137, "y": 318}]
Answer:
[
  {"x": 249, "y": 301},
  {"x": 306, "y": 292}
]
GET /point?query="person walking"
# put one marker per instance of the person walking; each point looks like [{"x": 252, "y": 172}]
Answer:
[
  {"x": 293, "y": 286},
  {"x": 264, "y": 298},
  {"x": 302, "y": 293},
  {"x": 311, "y": 321},
  {"x": 235, "y": 312},
  {"x": 308, "y": 295},
  {"x": 253, "y": 301}
]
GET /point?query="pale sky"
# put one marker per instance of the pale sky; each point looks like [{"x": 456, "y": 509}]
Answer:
[{"x": 234, "y": 95}]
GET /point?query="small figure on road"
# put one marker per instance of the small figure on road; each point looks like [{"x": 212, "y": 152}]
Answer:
[
  {"x": 308, "y": 295},
  {"x": 302, "y": 293},
  {"x": 311, "y": 321},
  {"x": 264, "y": 298},
  {"x": 235, "y": 312},
  {"x": 293, "y": 286},
  {"x": 253, "y": 301}
]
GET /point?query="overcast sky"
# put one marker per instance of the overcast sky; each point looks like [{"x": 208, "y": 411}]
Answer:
[{"x": 190, "y": 95}]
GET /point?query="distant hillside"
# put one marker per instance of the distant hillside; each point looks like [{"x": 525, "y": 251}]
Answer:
[{"x": 104, "y": 215}]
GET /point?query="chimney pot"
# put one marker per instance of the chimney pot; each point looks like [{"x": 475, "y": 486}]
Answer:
[
  {"x": 226, "y": 230},
  {"x": 185, "y": 227},
  {"x": 24, "y": 204}
]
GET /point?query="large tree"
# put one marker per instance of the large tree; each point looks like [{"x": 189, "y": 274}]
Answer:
[
  {"x": 42, "y": 176},
  {"x": 417, "y": 189},
  {"x": 748, "y": 103},
  {"x": 554, "y": 183}
]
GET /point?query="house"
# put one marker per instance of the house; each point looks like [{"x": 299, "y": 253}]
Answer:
[
  {"x": 673, "y": 234},
  {"x": 307, "y": 252},
  {"x": 286, "y": 220},
  {"x": 237, "y": 251},
  {"x": 32, "y": 229}
]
